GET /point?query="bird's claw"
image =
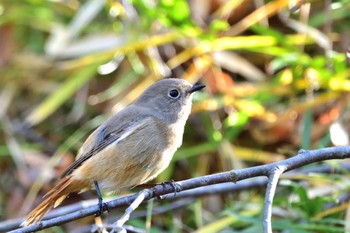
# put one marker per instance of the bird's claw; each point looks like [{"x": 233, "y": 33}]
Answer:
[
  {"x": 102, "y": 206},
  {"x": 177, "y": 188}
]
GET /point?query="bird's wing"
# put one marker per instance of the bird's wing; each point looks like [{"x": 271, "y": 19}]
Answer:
[{"x": 104, "y": 136}]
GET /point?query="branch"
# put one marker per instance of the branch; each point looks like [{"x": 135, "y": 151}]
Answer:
[
  {"x": 270, "y": 192},
  {"x": 213, "y": 189},
  {"x": 108, "y": 225},
  {"x": 118, "y": 225},
  {"x": 303, "y": 158}
]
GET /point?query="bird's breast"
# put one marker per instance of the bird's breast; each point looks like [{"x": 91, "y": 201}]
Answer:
[{"x": 137, "y": 157}]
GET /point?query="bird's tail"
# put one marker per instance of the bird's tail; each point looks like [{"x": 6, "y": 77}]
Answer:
[{"x": 53, "y": 198}]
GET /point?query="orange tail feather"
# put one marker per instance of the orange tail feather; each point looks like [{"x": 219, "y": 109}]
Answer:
[{"x": 53, "y": 198}]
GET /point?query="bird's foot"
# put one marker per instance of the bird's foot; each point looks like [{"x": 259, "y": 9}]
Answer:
[
  {"x": 102, "y": 206},
  {"x": 176, "y": 187}
]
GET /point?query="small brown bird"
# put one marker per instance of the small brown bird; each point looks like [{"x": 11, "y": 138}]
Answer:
[{"x": 130, "y": 148}]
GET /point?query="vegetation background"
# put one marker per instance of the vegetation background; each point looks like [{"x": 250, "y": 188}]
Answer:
[{"x": 277, "y": 79}]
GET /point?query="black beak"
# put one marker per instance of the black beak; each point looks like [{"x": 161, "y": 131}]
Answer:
[{"x": 196, "y": 87}]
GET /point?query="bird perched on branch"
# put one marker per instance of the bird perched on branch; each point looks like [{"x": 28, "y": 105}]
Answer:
[{"x": 132, "y": 147}]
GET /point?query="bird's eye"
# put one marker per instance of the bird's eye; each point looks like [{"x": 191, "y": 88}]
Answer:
[{"x": 174, "y": 93}]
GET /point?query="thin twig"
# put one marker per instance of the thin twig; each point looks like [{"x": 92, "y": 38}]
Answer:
[
  {"x": 214, "y": 189},
  {"x": 274, "y": 176},
  {"x": 111, "y": 226},
  {"x": 173, "y": 206},
  {"x": 118, "y": 225},
  {"x": 302, "y": 159}
]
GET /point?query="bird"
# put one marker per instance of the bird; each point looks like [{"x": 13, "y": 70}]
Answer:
[{"x": 130, "y": 148}]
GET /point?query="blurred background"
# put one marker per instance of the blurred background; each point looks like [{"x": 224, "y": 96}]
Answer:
[{"x": 277, "y": 79}]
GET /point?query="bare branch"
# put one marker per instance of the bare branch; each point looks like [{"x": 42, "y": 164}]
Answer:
[
  {"x": 270, "y": 193},
  {"x": 118, "y": 225},
  {"x": 303, "y": 158}
]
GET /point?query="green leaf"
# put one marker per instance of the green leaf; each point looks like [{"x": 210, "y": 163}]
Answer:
[
  {"x": 219, "y": 25},
  {"x": 306, "y": 132}
]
